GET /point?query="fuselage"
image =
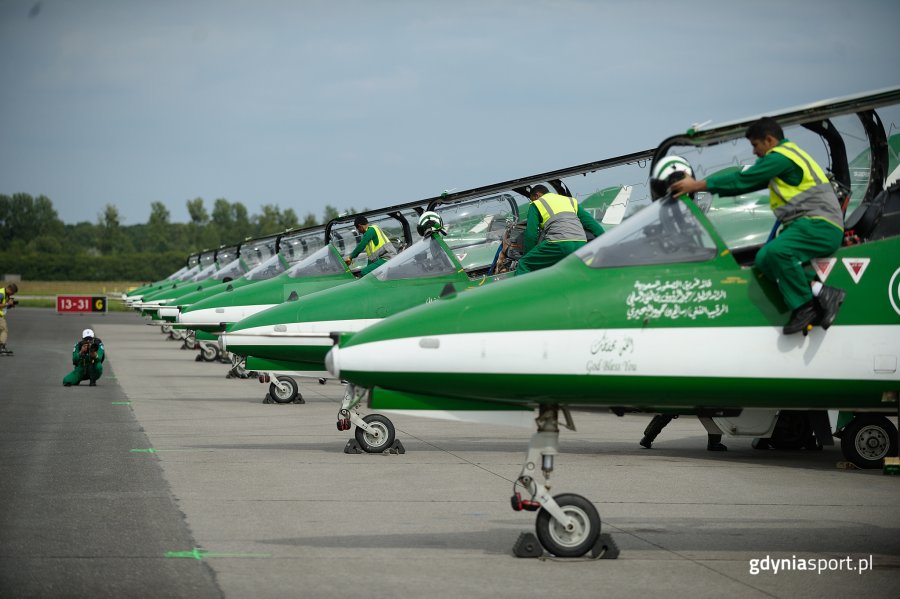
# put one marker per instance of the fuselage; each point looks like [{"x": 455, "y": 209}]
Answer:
[
  {"x": 299, "y": 330},
  {"x": 702, "y": 331}
]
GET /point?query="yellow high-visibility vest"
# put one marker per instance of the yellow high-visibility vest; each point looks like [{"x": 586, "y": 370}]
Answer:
[{"x": 374, "y": 248}]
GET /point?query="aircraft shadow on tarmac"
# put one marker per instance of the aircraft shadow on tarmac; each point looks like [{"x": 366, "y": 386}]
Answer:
[
  {"x": 496, "y": 541},
  {"x": 782, "y": 536},
  {"x": 824, "y": 460}
]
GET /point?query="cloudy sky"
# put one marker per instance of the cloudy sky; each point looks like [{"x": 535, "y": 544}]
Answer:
[{"x": 358, "y": 104}]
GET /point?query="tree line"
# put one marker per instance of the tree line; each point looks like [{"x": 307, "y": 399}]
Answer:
[{"x": 37, "y": 245}]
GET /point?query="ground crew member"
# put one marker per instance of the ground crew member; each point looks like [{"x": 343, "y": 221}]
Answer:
[
  {"x": 87, "y": 356},
  {"x": 6, "y": 302},
  {"x": 555, "y": 228},
  {"x": 659, "y": 422},
  {"x": 803, "y": 199},
  {"x": 377, "y": 246}
]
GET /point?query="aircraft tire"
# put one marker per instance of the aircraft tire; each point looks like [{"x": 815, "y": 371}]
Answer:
[
  {"x": 166, "y": 329},
  {"x": 868, "y": 439},
  {"x": 561, "y": 542},
  {"x": 279, "y": 396},
  {"x": 209, "y": 352},
  {"x": 372, "y": 444}
]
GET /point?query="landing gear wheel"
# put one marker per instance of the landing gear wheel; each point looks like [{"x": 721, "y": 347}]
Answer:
[
  {"x": 569, "y": 543},
  {"x": 289, "y": 394},
  {"x": 166, "y": 329},
  {"x": 868, "y": 439},
  {"x": 381, "y": 439},
  {"x": 209, "y": 353}
]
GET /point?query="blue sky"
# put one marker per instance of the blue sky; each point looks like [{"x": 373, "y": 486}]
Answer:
[{"x": 373, "y": 103}]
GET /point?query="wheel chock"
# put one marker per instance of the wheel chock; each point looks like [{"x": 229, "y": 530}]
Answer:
[
  {"x": 527, "y": 545},
  {"x": 891, "y": 466},
  {"x": 395, "y": 448},
  {"x": 353, "y": 447},
  {"x": 268, "y": 399},
  {"x": 299, "y": 399},
  {"x": 605, "y": 548}
]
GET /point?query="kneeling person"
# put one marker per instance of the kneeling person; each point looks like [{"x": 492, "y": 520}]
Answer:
[{"x": 87, "y": 356}]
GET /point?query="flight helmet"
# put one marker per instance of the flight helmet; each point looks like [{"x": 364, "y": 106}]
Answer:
[
  {"x": 666, "y": 171},
  {"x": 430, "y": 223}
]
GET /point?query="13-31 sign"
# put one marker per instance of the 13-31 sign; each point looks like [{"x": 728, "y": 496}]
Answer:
[{"x": 80, "y": 303}]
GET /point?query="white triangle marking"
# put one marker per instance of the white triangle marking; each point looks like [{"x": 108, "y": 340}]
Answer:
[
  {"x": 856, "y": 267},
  {"x": 823, "y": 267}
]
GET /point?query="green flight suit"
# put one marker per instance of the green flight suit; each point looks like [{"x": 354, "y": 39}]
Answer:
[
  {"x": 549, "y": 252},
  {"x": 87, "y": 368},
  {"x": 811, "y": 233}
]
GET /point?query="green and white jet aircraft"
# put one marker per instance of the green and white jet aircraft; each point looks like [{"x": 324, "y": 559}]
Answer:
[
  {"x": 187, "y": 271},
  {"x": 292, "y": 339},
  {"x": 191, "y": 262},
  {"x": 315, "y": 259},
  {"x": 316, "y": 263},
  {"x": 257, "y": 260},
  {"x": 662, "y": 312},
  {"x": 211, "y": 264}
]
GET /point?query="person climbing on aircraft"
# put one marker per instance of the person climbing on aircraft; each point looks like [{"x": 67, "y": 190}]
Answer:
[
  {"x": 377, "y": 246},
  {"x": 87, "y": 356},
  {"x": 804, "y": 201},
  {"x": 556, "y": 228}
]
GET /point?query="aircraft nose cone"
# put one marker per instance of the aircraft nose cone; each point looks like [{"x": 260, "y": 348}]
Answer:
[{"x": 331, "y": 362}]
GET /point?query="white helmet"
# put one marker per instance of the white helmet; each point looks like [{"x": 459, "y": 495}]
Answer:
[
  {"x": 87, "y": 333},
  {"x": 429, "y": 223},
  {"x": 666, "y": 171}
]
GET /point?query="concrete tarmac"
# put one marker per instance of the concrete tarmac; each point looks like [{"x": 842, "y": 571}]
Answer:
[{"x": 243, "y": 499}]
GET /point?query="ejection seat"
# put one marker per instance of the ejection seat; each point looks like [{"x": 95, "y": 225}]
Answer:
[{"x": 875, "y": 219}]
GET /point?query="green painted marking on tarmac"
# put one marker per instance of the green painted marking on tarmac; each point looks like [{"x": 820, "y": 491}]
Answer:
[
  {"x": 147, "y": 450},
  {"x": 199, "y": 554},
  {"x": 121, "y": 403}
]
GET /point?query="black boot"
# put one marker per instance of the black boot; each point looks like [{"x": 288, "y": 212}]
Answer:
[
  {"x": 801, "y": 318},
  {"x": 829, "y": 302},
  {"x": 653, "y": 429},
  {"x": 761, "y": 443},
  {"x": 714, "y": 443}
]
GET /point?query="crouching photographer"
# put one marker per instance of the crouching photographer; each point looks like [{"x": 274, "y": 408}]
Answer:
[{"x": 87, "y": 356}]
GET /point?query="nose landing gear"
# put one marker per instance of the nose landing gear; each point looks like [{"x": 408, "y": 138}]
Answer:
[
  {"x": 567, "y": 525},
  {"x": 374, "y": 433}
]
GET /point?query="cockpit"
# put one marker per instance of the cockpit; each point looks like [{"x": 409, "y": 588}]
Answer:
[
  {"x": 295, "y": 247},
  {"x": 266, "y": 270},
  {"x": 344, "y": 236},
  {"x": 856, "y": 144},
  {"x": 324, "y": 261},
  {"x": 425, "y": 258},
  {"x": 664, "y": 232},
  {"x": 475, "y": 228}
]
